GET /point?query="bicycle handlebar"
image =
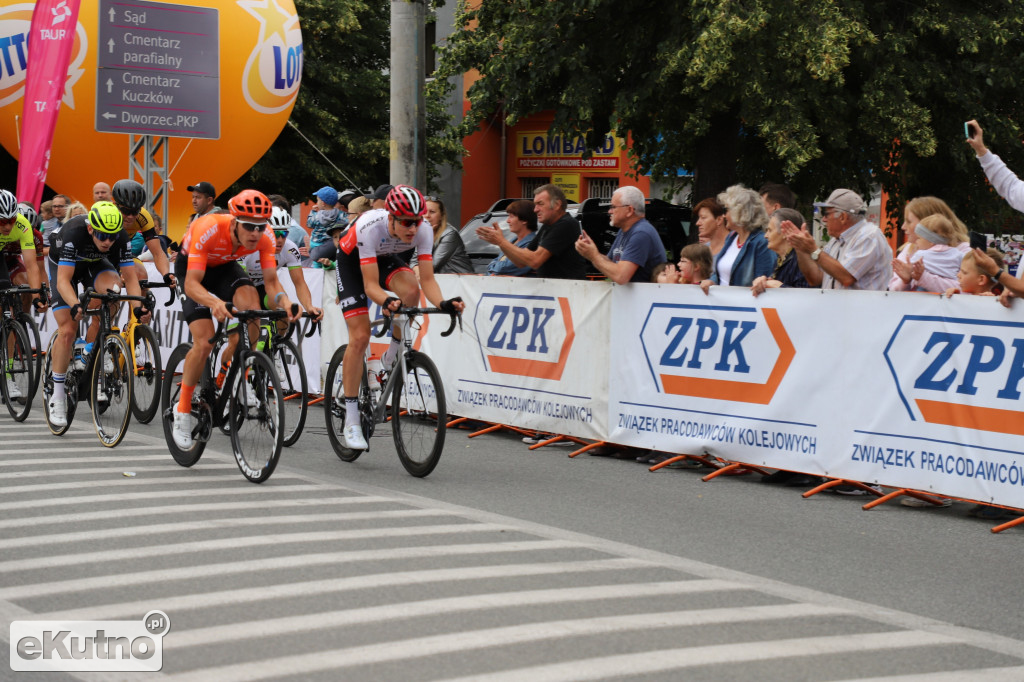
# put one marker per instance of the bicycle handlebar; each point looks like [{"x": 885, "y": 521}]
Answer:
[
  {"x": 146, "y": 284},
  {"x": 387, "y": 320},
  {"x": 243, "y": 315}
]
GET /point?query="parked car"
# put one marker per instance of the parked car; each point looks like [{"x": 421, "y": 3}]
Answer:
[{"x": 481, "y": 252}]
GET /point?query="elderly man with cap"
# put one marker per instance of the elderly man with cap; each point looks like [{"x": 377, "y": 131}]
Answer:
[
  {"x": 856, "y": 257},
  {"x": 203, "y": 195}
]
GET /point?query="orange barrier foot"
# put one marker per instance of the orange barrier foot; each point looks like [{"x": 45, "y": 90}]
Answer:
[
  {"x": 558, "y": 439},
  {"x": 455, "y": 422},
  {"x": 661, "y": 465},
  {"x": 587, "y": 447},
  {"x": 831, "y": 483},
  {"x": 1009, "y": 524},
  {"x": 489, "y": 429}
]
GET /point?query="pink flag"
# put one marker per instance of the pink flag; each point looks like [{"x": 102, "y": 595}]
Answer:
[{"x": 49, "y": 50}]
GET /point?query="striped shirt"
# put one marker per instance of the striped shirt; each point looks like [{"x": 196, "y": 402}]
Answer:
[{"x": 865, "y": 253}]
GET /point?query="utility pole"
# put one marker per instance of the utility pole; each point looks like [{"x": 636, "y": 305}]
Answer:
[{"x": 408, "y": 105}]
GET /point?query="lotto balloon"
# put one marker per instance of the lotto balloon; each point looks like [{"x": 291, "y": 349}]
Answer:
[{"x": 257, "y": 67}]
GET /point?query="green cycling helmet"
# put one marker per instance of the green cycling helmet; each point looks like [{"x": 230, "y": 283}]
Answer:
[{"x": 105, "y": 216}]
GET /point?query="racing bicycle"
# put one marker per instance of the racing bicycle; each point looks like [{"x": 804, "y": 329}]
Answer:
[
  {"x": 250, "y": 407},
  {"x": 411, "y": 397}
]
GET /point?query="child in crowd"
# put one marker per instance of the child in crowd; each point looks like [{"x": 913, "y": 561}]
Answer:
[
  {"x": 665, "y": 273},
  {"x": 971, "y": 279},
  {"x": 695, "y": 263},
  {"x": 933, "y": 237}
]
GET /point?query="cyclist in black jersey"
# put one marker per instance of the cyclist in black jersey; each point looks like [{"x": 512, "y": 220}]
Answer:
[{"x": 83, "y": 251}]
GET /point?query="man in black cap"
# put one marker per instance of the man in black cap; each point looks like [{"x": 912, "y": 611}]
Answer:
[
  {"x": 379, "y": 195},
  {"x": 203, "y": 195}
]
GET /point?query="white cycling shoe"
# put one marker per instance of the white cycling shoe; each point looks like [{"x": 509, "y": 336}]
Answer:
[
  {"x": 58, "y": 410},
  {"x": 12, "y": 390},
  {"x": 184, "y": 422},
  {"x": 353, "y": 437}
]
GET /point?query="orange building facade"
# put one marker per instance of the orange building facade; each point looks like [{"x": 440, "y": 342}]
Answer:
[{"x": 512, "y": 161}]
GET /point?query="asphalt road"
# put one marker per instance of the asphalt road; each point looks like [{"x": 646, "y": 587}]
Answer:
[{"x": 504, "y": 564}]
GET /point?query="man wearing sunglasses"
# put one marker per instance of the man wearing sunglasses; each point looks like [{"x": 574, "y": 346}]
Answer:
[
  {"x": 211, "y": 276},
  {"x": 130, "y": 198},
  {"x": 373, "y": 259},
  {"x": 83, "y": 251}
]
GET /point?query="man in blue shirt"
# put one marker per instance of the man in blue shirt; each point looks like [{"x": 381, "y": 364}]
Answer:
[{"x": 637, "y": 248}]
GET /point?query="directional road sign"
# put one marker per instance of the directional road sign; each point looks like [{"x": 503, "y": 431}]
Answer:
[{"x": 159, "y": 69}]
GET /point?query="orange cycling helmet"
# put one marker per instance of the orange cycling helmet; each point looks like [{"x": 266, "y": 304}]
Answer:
[
  {"x": 251, "y": 206},
  {"x": 405, "y": 202}
]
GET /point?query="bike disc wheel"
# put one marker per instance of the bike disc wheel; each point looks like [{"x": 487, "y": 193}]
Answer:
[
  {"x": 147, "y": 370},
  {"x": 334, "y": 407},
  {"x": 111, "y": 390},
  {"x": 32, "y": 332},
  {"x": 294, "y": 388},
  {"x": 257, "y": 440},
  {"x": 418, "y": 415},
  {"x": 170, "y": 390},
  {"x": 17, "y": 367}
]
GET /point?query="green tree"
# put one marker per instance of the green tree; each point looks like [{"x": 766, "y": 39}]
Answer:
[
  {"x": 342, "y": 105},
  {"x": 815, "y": 93}
]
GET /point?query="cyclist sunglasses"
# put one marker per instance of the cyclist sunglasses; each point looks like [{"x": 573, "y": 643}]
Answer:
[
  {"x": 125, "y": 212},
  {"x": 408, "y": 223},
  {"x": 252, "y": 227},
  {"x": 105, "y": 236},
  {"x": 281, "y": 233},
  {"x": 8, "y": 221}
]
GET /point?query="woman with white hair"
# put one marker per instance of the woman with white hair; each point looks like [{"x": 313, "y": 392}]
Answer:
[{"x": 746, "y": 255}]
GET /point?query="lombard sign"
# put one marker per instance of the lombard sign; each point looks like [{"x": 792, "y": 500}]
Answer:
[
  {"x": 959, "y": 372},
  {"x": 528, "y": 336},
  {"x": 540, "y": 151},
  {"x": 722, "y": 352}
]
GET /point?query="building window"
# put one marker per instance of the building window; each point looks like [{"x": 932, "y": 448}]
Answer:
[
  {"x": 531, "y": 185},
  {"x": 601, "y": 188}
]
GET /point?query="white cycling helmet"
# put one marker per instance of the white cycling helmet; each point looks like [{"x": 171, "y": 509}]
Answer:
[{"x": 280, "y": 219}]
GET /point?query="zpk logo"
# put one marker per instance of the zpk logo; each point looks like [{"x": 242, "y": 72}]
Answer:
[
  {"x": 524, "y": 335},
  {"x": 959, "y": 372},
  {"x": 720, "y": 352}
]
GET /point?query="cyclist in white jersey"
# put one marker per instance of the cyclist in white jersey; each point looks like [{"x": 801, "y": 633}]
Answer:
[{"x": 373, "y": 260}]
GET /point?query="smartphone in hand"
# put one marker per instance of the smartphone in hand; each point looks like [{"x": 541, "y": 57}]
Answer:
[
  {"x": 970, "y": 130},
  {"x": 978, "y": 240}
]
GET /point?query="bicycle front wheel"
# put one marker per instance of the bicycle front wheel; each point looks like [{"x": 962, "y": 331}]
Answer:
[
  {"x": 32, "y": 333},
  {"x": 418, "y": 415},
  {"x": 170, "y": 391},
  {"x": 147, "y": 370},
  {"x": 258, "y": 437},
  {"x": 16, "y": 362},
  {"x": 111, "y": 390},
  {"x": 294, "y": 388}
]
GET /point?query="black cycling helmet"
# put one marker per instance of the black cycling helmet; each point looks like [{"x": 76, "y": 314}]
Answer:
[
  {"x": 8, "y": 205},
  {"x": 129, "y": 195}
]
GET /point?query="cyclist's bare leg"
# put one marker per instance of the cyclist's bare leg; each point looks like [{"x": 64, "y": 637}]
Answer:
[
  {"x": 248, "y": 298},
  {"x": 67, "y": 329},
  {"x": 352, "y": 364},
  {"x": 202, "y": 331}
]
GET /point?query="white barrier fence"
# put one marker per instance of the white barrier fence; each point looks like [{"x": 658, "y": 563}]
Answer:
[{"x": 905, "y": 390}]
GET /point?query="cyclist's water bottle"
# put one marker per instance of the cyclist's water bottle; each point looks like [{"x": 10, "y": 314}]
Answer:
[
  {"x": 80, "y": 354},
  {"x": 373, "y": 370},
  {"x": 263, "y": 344}
]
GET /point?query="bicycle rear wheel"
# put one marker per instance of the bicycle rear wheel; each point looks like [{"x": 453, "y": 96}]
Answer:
[
  {"x": 16, "y": 366},
  {"x": 147, "y": 370},
  {"x": 70, "y": 386},
  {"x": 294, "y": 387},
  {"x": 170, "y": 390},
  {"x": 418, "y": 415},
  {"x": 32, "y": 332},
  {"x": 334, "y": 407},
  {"x": 258, "y": 437},
  {"x": 111, "y": 390}
]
